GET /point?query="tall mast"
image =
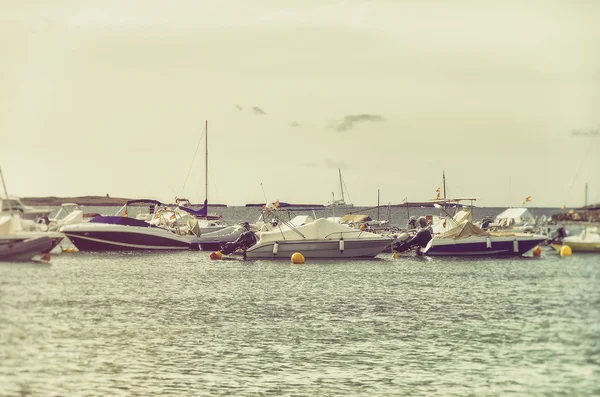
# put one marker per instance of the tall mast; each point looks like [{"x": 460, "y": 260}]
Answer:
[
  {"x": 444, "y": 179},
  {"x": 206, "y": 160},
  {"x": 6, "y": 192},
  {"x": 378, "y": 204},
  {"x": 586, "y": 190}
]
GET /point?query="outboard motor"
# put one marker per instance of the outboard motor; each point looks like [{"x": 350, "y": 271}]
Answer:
[
  {"x": 421, "y": 239},
  {"x": 244, "y": 241}
]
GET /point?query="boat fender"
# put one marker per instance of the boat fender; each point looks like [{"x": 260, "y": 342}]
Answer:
[
  {"x": 516, "y": 246},
  {"x": 275, "y": 248},
  {"x": 342, "y": 244},
  {"x": 488, "y": 242}
]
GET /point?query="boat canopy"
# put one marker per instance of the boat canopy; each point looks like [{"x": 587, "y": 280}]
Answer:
[
  {"x": 143, "y": 201},
  {"x": 515, "y": 216},
  {"x": 464, "y": 230},
  {"x": 321, "y": 229},
  {"x": 355, "y": 218},
  {"x": 202, "y": 212},
  {"x": 120, "y": 220}
]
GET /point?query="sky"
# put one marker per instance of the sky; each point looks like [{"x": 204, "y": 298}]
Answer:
[{"x": 111, "y": 97}]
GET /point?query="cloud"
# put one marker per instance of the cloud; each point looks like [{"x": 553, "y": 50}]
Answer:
[
  {"x": 585, "y": 133},
  {"x": 239, "y": 107},
  {"x": 295, "y": 124},
  {"x": 331, "y": 163},
  {"x": 349, "y": 121},
  {"x": 258, "y": 111}
]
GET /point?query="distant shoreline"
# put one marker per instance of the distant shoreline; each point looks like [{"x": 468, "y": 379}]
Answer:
[{"x": 97, "y": 201}]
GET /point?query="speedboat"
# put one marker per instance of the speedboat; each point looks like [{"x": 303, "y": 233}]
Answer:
[
  {"x": 17, "y": 244},
  {"x": 458, "y": 236},
  {"x": 586, "y": 241},
  {"x": 466, "y": 239},
  {"x": 320, "y": 238},
  {"x": 120, "y": 232}
]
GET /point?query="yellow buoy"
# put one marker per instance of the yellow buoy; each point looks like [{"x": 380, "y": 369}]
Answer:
[
  {"x": 537, "y": 251},
  {"x": 216, "y": 255},
  {"x": 297, "y": 258},
  {"x": 395, "y": 254},
  {"x": 565, "y": 250}
]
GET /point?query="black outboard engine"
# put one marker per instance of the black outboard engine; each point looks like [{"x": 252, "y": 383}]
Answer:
[
  {"x": 244, "y": 241},
  {"x": 421, "y": 239},
  {"x": 561, "y": 233}
]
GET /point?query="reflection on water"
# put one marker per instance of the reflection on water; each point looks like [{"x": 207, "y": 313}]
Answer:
[{"x": 180, "y": 324}]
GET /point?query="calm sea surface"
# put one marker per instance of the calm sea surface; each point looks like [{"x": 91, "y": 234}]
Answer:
[{"x": 180, "y": 324}]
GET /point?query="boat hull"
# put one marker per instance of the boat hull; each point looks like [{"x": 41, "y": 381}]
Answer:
[
  {"x": 101, "y": 237},
  {"x": 579, "y": 246},
  {"x": 483, "y": 246},
  {"x": 319, "y": 249},
  {"x": 20, "y": 250}
]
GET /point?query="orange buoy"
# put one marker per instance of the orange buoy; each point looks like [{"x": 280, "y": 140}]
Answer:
[
  {"x": 216, "y": 255},
  {"x": 297, "y": 258},
  {"x": 537, "y": 251}
]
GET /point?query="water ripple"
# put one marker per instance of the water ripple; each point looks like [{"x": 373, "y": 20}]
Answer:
[{"x": 180, "y": 324}]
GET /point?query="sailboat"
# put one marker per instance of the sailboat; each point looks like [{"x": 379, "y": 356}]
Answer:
[
  {"x": 203, "y": 222},
  {"x": 341, "y": 203}
]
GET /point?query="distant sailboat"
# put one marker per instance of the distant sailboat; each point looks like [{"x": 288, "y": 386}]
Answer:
[{"x": 341, "y": 203}]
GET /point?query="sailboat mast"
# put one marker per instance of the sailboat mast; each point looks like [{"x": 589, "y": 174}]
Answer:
[
  {"x": 444, "y": 180},
  {"x": 206, "y": 160},
  {"x": 6, "y": 192}
]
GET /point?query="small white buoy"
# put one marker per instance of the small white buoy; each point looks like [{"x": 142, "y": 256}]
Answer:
[
  {"x": 342, "y": 244},
  {"x": 275, "y": 248}
]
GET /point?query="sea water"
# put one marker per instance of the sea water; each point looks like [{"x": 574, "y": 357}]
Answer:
[{"x": 145, "y": 323}]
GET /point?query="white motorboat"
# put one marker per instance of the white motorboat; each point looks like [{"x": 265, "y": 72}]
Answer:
[
  {"x": 586, "y": 241},
  {"x": 321, "y": 238},
  {"x": 68, "y": 214}
]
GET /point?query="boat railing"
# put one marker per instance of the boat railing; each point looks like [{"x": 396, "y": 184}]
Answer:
[{"x": 360, "y": 232}]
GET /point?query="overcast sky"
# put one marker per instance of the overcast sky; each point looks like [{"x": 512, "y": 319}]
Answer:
[{"x": 110, "y": 96}]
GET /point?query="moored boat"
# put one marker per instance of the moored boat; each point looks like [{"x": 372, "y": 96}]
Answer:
[
  {"x": 586, "y": 241},
  {"x": 117, "y": 233},
  {"x": 321, "y": 238}
]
